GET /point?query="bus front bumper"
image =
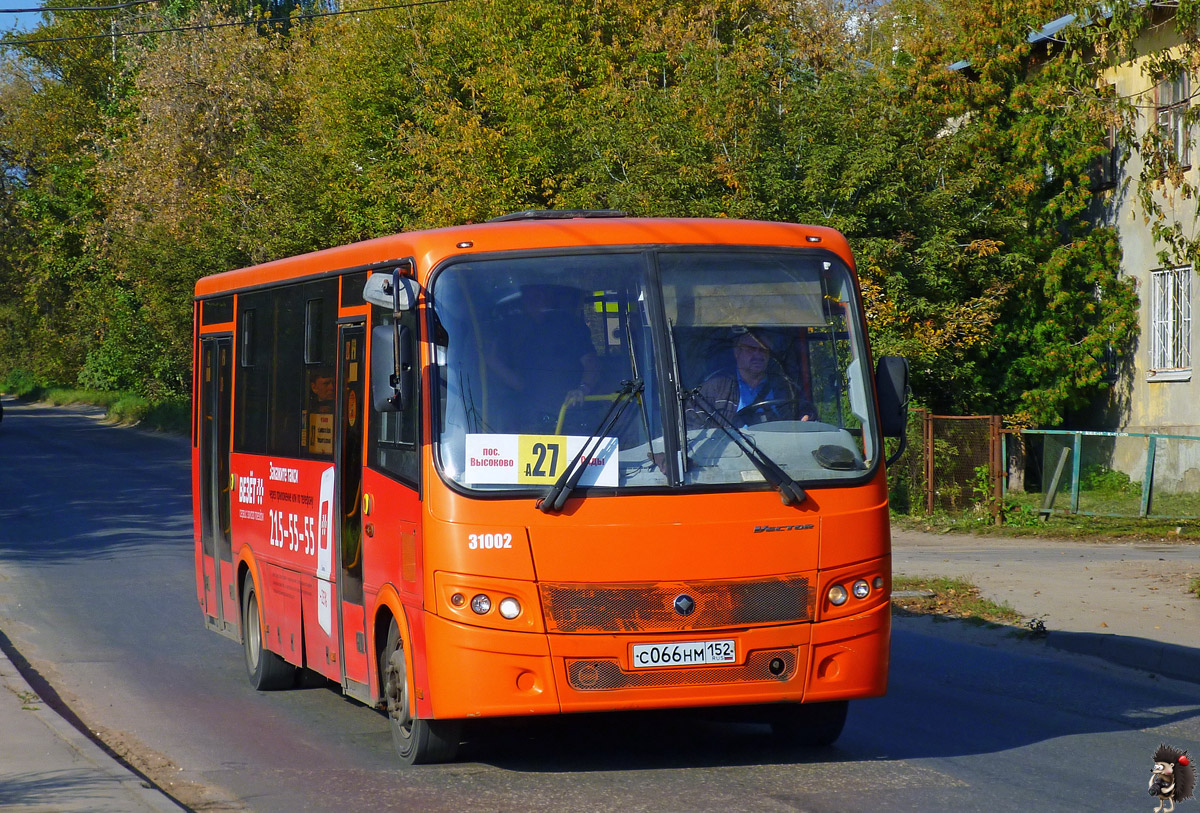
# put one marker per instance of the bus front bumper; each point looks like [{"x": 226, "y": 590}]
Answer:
[{"x": 490, "y": 673}]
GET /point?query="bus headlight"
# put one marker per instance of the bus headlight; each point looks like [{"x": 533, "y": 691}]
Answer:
[
  {"x": 510, "y": 608},
  {"x": 861, "y": 589},
  {"x": 510, "y": 605},
  {"x": 838, "y": 595}
]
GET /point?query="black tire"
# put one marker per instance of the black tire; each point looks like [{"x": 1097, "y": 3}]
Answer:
[
  {"x": 266, "y": 670},
  {"x": 809, "y": 724},
  {"x": 417, "y": 741}
]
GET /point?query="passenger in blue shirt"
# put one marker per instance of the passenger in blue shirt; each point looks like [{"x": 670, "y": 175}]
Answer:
[{"x": 748, "y": 394}]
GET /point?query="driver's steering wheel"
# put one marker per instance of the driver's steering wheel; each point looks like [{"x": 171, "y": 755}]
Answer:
[{"x": 746, "y": 413}]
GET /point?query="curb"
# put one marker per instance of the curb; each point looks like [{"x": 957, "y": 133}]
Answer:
[{"x": 1169, "y": 660}]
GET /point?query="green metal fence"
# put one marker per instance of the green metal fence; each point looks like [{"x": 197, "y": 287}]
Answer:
[{"x": 1112, "y": 474}]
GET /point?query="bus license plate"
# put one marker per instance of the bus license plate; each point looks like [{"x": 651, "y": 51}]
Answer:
[{"x": 684, "y": 653}]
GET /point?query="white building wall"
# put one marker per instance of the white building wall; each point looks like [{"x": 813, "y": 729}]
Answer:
[{"x": 1143, "y": 400}]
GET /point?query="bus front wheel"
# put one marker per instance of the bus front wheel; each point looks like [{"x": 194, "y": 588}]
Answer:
[
  {"x": 809, "y": 724},
  {"x": 265, "y": 669},
  {"x": 417, "y": 741}
]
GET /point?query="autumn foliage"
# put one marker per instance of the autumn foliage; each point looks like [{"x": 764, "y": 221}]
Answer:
[{"x": 134, "y": 164}]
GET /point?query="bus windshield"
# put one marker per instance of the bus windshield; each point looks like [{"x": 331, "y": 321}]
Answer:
[{"x": 734, "y": 355}]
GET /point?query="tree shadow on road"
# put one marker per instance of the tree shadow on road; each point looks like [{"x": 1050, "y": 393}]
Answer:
[
  {"x": 72, "y": 488},
  {"x": 942, "y": 704},
  {"x": 57, "y": 789}
]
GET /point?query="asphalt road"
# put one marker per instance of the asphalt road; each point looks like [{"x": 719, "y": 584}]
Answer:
[{"x": 97, "y": 595}]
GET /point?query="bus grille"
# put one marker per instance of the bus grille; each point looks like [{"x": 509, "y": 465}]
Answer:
[
  {"x": 650, "y": 607},
  {"x": 600, "y": 675}
]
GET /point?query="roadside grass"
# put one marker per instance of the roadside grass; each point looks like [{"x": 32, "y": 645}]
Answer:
[
  {"x": 166, "y": 415},
  {"x": 949, "y": 599},
  {"x": 1058, "y": 526},
  {"x": 1194, "y": 587}
]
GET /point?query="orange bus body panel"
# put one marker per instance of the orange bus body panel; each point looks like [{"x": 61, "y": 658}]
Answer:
[{"x": 642, "y": 540}]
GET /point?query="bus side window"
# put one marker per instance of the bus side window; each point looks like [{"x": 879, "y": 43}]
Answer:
[
  {"x": 394, "y": 438},
  {"x": 319, "y": 404},
  {"x": 255, "y": 347}
]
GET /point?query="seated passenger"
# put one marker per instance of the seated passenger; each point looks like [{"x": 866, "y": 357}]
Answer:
[
  {"x": 751, "y": 392},
  {"x": 546, "y": 358}
]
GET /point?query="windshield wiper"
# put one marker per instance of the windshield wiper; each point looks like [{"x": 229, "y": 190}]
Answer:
[
  {"x": 556, "y": 496},
  {"x": 789, "y": 490}
]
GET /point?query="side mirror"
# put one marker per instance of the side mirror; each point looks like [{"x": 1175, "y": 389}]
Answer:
[
  {"x": 891, "y": 387},
  {"x": 391, "y": 347},
  {"x": 392, "y": 366},
  {"x": 391, "y": 291}
]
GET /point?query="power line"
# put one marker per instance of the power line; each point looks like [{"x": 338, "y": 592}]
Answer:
[
  {"x": 211, "y": 26},
  {"x": 74, "y": 8}
]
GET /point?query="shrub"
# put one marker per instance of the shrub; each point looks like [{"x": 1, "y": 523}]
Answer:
[
  {"x": 21, "y": 383},
  {"x": 1102, "y": 478}
]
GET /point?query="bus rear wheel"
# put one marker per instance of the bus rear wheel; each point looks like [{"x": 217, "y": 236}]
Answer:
[
  {"x": 809, "y": 724},
  {"x": 417, "y": 741},
  {"x": 266, "y": 670}
]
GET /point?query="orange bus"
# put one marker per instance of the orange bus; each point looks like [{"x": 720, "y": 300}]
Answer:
[{"x": 562, "y": 461}]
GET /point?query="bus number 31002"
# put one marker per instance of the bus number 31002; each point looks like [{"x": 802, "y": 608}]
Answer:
[{"x": 488, "y": 541}]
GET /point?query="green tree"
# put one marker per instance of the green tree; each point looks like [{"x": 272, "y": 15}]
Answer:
[{"x": 51, "y": 98}]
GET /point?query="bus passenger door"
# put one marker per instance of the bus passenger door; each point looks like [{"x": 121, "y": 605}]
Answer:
[
  {"x": 352, "y": 371},
  {"x": 216, "y": 547}
]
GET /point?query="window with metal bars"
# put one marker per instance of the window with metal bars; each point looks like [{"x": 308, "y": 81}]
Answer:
[{"x": 1170, "y": 320}]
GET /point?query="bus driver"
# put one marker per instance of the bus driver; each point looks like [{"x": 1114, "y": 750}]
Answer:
[{"x": 728, "y": 394}]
